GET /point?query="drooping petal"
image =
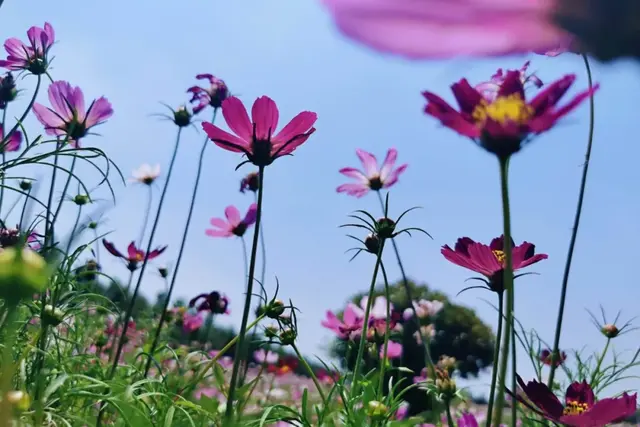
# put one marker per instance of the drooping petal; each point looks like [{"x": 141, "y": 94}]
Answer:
[
  {"x": 388, "y": 163},
  {"x": 218, "y": 233},
  {"x": 467, "y": 96},
  {"x": 550, "y": 96},
  {"x": 110, "y": 247},
  {"x": 233, "y": 215},
  {"x": 545, "y": 121},
  {"x": 252, "y": 215},
  {"x": 264, "y": 114},
  {"x": 224, "y": 139},
  {"x": 300, "y": 124},
  {"x": 237, "y": 118},
  {"x": 99, "y": 112},
  {"x": 393, "y": 176},
  {"x": 369, "y": 162},
  {"x": 354, "y": 173},
  {"x": 59, "y": 94},
  {"x": 357, "y": 190},
  {"x": 52, "y": 123},
  {"x": 540, "y": 395},
  {"x": 156, "y": 252}
]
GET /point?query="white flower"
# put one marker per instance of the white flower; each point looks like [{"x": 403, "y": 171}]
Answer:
[
  {"x": 146, "y": 174},
  {"x": 424, "y": 309}
]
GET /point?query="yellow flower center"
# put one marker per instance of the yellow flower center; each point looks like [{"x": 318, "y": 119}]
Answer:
[
  {"x": 499, "y": 256},
  {"x": 510, "y": 108},
  {"x": 575, "y": 408}
]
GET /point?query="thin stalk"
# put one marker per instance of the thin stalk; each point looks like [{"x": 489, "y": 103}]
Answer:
[
  {"x": 263, "y": 249},
  {"x": 5, "y": 139},
  {"x": 576, "y": 224},
  {"x": 125, "y": 327},
  {"x": 449, "y": 417},
  {"x": 383, "y": 361},
  {"x": 508, "y": 286},
  {"x": 156, "y": 338},
  {"x": 4, "y": 155},
  {"x": 247, "y": 302},
  {"x": 64, "y": 191},
  {"x": 207, "y": 328},
  {"x": 407, "y": 289},
  {"x": 118, "y": 320},
  {"x": 496, "y": 358},
  {"x": 147, "y": 214},
  {"x": 514, "y": 370},
  {"x": 183, "y": 243},
  {"x": 8, "y": 365},
  {"x": 13, "y": 206},
  {"x": 365, "y": 323},
  {"x": 310, "y": 371},
  {"x": 73, "y": 230},
  {"x": 599, "y": 364},
  {"x": 24, "y": 209}
]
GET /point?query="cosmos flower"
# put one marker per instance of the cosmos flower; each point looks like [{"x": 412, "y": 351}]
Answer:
[
  {"x": 424, "y": 309},
  {"x": 214, "y": 302},
  {"x": 146, "y": 174},
  {"x": 394, "y": 350},
  {"x": 446, "y": 28},
  {"x": 68, "y": 116},
  {"x": 580, "y": 409},
  {"x": 285, "y": 365},
  {"x": 489, "y": 260},
  {"x": 134, "y": 255},
  {"x": 502, "y": 126},
  {"x": 545, "y": 357},
  {"x": 212, "y": 95},
  {"x": 33, "y": 56},
  {"x": 250, "y": 182},
  {"x": 8, "y": 90},
  {"x": 349, "y": 327},
  {"x": 234, "y": 225},
  {"x": 265, "y": 356},
  {"x": 374, "y": 178},
  {"x": 257, "y": 138},
  {"x": 13, "y": 141},
  {"x": 490, "y": 89},
  {"x": 192, "y": 322}
]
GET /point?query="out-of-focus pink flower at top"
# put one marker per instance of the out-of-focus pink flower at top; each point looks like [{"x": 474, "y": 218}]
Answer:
[
  {"x": 327, "y": 377},
  {"x": 265, "y": 356},
  {"x": 394, "y": 350},
  {"x": 349, "y": 327},
  {"x": 13, "y": 141},
  {"x": 33, "y": 56},
  {"x": 191, "y": 322},
  {"x": 421, "y": 29},
  {"x": 373, "y": 178},
  {"x": 212, "y": 95},
  {"x": 134, "y": 255},
  {"x": 235, "y": 225},
  {"x": 146, "y": 174},
  {"x": 257, "y": 138},
  {"x": 424, "y": 309},
  {"x": 68, "y": 116},
  {"x": 505, "y": 124},
  {"x": 489, "y": 90},
  {"x": 566, "y": 45}
]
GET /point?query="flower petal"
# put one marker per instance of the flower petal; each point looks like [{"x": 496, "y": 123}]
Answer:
[
  {"x": 52, "y": 123},
  {"x": 233, "y": 215},
  {"x": 393, "y": 176},
  {"x": 237, "y": 118},
  {"x": 224, "y": 139},
  {"x": 300, "y": 124},
  {"x": 264, "y": 114},
  {"x": 252, "y": 215},
  {"x": 356, "y": 190},
  {"x": 388, "y": 163},
  {"x": 467, "y": 96},
  {"x": 369, "y": 162},
  {"x": 99, "y": 112},
  {"x": 354, "y": 173},
  {"x": 218, "y": 233}
]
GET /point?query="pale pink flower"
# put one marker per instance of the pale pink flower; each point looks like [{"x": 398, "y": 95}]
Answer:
[
  {"x": 424, "y": 309},
  {"x": 421, "y": 29},
  {"x": 145, "y": 174},
  {"x": 373, "y": 178},
  {"x": 257, "y": 138},
  {"x": 32, "y": 56},
  {"x": 378, "y": 310},
  {"x": 349, "y": 327},
  {"x": 422, "y": 377},
  {"x": 235, "y": 225},
  {"x": 265, "y": 356},
  {"x": 68, "y": 116},
  {"x": 394, "y": 350}
]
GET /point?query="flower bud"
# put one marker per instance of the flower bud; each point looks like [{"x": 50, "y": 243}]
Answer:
[
  {"x": 274, "y": 309},
  {"x": 250, "y": 182},
  {"x": 271, "y": 331},
  {"x": 447, "y": 363},
  {"x": 288, "y": 336},
  {"x": 81, "y": 199},
  {"x": 182, "y": 117},
  {"x": 610, "y": 331},
  {"x": 372, "y": 243},
  {"x": 385, "y": 228},
  {"x": 163, "y": 271},
  {"x": 377, "y": 410},
  {"x": 446, "y": 385},
  {"x": 22, "y": 274},
  {"x": 26, "y": 184},
  {"x": 8, "y": 91},
  {"x": 19, "y": 400},
  {"x": 92, "y": 225},
  {"x": 52, "y": 316}
]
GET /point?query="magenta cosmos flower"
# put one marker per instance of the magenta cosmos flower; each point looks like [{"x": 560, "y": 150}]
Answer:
[
  {"x": 134, "y": 255},
  {"x": 580, "y": 408},
  {"x": 257, "y": 138},
  {"x": 32, "y": 56},
  {"x": 490, "y": 89},
  {"x": 373, "y": 178},
  {"x": 489, "y": 260},
  {"x": 504, "y": 125},
  {"x": 349, "y": 327},
  {"x": 446, "y": 28},
  {"x": 212, "y": 95},
  {"x": 13, "y": 141},
  {"x": 234, "y": 225},
  {"x": 68, "y": 116}
]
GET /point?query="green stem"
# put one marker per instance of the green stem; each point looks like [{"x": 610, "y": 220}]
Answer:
[
  {"x": 147, "y": 214},
  {"x": 64, "y": 191},
  {"x": 73, "y": 230},
  {"x": 599, "y": 364},
  {"x": 514, "y": 370},
  {"x": 8, "y": 365},
  {"x": 24, "y": 210},
  {"x": 576, "y": 224},
  {"x": 4, "y": 155},
  {"x": 383, "y": 361},
  {"x": 247, "y": 303},
  {"x": 310, "y": 371},
  {"x": 365, "y": 322},
  {"x": 508, "y": 286},
  {"x": 496, "y": 358},
  {"x": 449, "y": 417}
]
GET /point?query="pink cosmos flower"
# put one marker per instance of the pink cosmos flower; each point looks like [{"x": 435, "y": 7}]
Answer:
[
  {"x": 33, "y": 56},
  {"x": 68, "y": 117},
  {"x": 373, "y": 178},
  {"x": 234, "y": 225},
  {"x": 13, "y": 141},
  {"x": 134, "y": 255},
  {"x": 213, "y": 95},
  {"x": 424, "y": 309},
  {"x": 349, "y": 327},
  {"x": 394, "y": 350},
  {"x": 257, "y": 138},
  {"x": 444, "y": 28},
  {"x": 490, "y": 89},
  {"x": 265, "y": 356},
  {"x": 192, "y": 322}
]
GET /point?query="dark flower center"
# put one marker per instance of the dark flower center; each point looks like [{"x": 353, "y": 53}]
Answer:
[
  {"x": 261, "y": 152},
  {"x": 575, "y": 408},
  {"x": 37, "y": 65},
  {"x": 148, "y": 180},
  {"x": 76, "y": 130},
  {"x": 240, "y": 229},
  {"x": 375, "y": 183}
]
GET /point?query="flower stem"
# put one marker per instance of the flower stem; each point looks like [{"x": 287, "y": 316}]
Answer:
[
  {"x": 5, "y": 139},
  {"x": 145, "y": 220},
  {"x": 24, "y": 209},
  {"x": 365, "y": 322},
  {"x": 576, "y": 224},
  {"x": 383, "y": 361},
  {"x": 599, "y": 364},
  {"x": 64, "y": 192},
  {"x": 4, "y": 155},
  {"x": 247, "y": 302},
  {"x": 509, "y": 289},
  {"x": 73, "y": 230},
  {"x": 496, "y": 358},
  {"x": 8, "y": 365},
  {"x": 311, "y": 373},
  {"x": 185, "y": 234},
  {"x": 449, "y": 417}
]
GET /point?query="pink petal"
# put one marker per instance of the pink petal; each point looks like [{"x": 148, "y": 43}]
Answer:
[
  {"x": 354, "y": 173},
  {"x": 49, "y": 119},
  {"x": 60, "y": 94},
  {"x": 292, "y": 144},
  {"x": 393, "y": 176},
  {"x": 219, "y": 137},
  {"x": 357, "y": 190},
  {"x": 252, "y": 214},
  {"x": 233, "y": 215},
  {"x": 237, "y": 118},
  {"x": 217, "y": 233},
  {"x": 264, "y": 114},
  {"x": 100, "y": 111},
  {"x": 132, "y": 251},
  {"x": 299, "y": 125},
  {"x": 369, "y": 162},
  {"x": 16, "y": 48},
  {"x": 389, "y": 162},
  {"x": 331, "y": 322},
  {"x": 220, "y": 223}
]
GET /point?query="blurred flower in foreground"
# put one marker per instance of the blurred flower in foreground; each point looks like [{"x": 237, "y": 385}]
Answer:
[
  {"x": 502, "y": 126},
  {"x": 235, "y": 225},
  {"x": 489, "y": 260},
  {"x": 23, "y": 273},
  {"x": 191, "y": 322},
  {"x": 134, "y": 255},
  {"x": 257, "y": 138},
  {"x": 213, "y": 95},
  {"x": 545, "y": 357},
  {"x": 32, "y": 57},
  {"x": 394, "y": 350},
  {"x": 446, "y": 28},
  {"x": 250, "y": 182},
  {"x": 424, "y": 309},
  {"x": 265, "y": 356},
  {"x": 373, "y": 178},
  {"x": 146, "y": 174},
  {"x": 349, "y": 327},
  {"x": 580, "y": 408},
  {"x": 214, "y": 302},
  {"x": 68, "y": 117}
]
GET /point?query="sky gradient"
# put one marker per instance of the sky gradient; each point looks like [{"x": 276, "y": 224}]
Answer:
[{"x": 139, "y": 54}]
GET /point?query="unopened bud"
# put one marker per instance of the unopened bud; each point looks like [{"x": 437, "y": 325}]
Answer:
[
  {"x": 377, "y": 410},
  {"x": 372, "y": 243},
  {"x": 288, "y": 336},
  {"x": 8, "y": 91},
  {"x": 102, "y": 341},
  {"x": 22, "y": 274},
  {"x": 19, "y": 400},
  {"x": 26, "y": 184},
  {"x": 610, "y": 331},
  {"x": 271, "y": 331},
  {"x": 182, "y": 117},
  {"x": 81, "y": 199},
  {"x": 446, "y": 386},
  {"x": 385, "y": 228},
  {"x": 275, "y": 309},
  {"x": 447, "y": 363},
  {"x": 52, "y": 316},
  {"x": 163, "y": 271},
  {"x": 92, "y": 225}
]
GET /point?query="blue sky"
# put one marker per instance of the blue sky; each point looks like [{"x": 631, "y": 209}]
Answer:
[{"x": 140, "y": 53}]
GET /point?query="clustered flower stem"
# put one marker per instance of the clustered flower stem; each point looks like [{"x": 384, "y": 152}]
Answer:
[
  {"x": 183, "y": 243},
  {"x": 247, "y": 302},
  {"x": 574, "y": 233},
  {"x": 509, "y": 292},
  {"x": 496, "y": 359}
]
